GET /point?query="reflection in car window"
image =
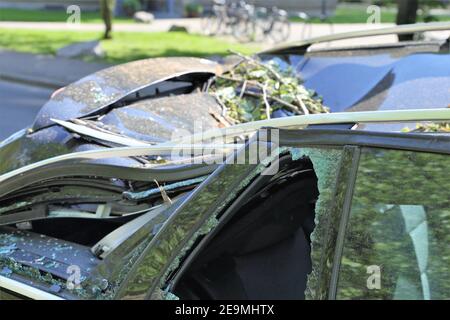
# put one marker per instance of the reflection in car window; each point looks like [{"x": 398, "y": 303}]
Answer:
[{"x": 398, "y": 234}]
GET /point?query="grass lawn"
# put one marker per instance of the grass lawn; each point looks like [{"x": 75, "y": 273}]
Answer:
[
  {"x": 10, "y": 14},
  {"x": 342, "y": 15},
  {"x": 359, "y": 15},
  {"x": 125, "y": 46}
]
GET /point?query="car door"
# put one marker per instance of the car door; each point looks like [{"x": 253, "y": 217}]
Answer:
[
  {"x": 213, "y": 205},
  {"x": 396, "y": 234},
  {"x": 198, "y": 222}
]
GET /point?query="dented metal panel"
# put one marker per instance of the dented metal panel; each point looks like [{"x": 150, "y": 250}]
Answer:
[
  {"x": 50, "y": 255},
  {"x": 44, "y": 262},
  {"x": 149, "y": 263},
  {"x": 199, "y": 216},
  {"x": 196, "y": 216},
  {"x": 160, "y": 119},
  {"x": 99, "y": 90},
  {"x": 22, "y": 290}
]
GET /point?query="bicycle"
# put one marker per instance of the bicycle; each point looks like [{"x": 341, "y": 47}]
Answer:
[
  {"x": 246, "y": 22},
  {"x": 245, "y": 28},
  {"x": 211, "y": 23},
  {"x": 256, "y": 24},
  {"x": 279, "y": 28},
  {"x": 221, "y": 18}
]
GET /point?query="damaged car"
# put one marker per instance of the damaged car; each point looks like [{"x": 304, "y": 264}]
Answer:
[{"x": 306, "y": 174}]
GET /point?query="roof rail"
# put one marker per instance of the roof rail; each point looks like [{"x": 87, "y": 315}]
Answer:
[
  {"x": 402, "y": 29},
  {"x": 195, "y": 142},
  {"x": 26, "y": 290},
  {"x": 410, "y": 115},
  {"x": 135, "y": 151}
]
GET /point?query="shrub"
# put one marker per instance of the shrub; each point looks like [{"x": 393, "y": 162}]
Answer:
[
  {"x": 131, "y": 6},
  {"x": 193, "y": 10}
]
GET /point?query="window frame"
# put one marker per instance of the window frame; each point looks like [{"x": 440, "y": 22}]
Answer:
[
  {"x": 436, "y": 143},
  {"x": 319, "y": 137}
]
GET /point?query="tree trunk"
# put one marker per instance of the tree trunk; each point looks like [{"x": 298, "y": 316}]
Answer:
[
  {"x": 107, "y": 12},
  {"x": 407, "y": 14}
]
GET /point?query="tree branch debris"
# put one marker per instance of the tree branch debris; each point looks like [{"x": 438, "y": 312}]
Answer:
[{"x": 255, "y": 90}]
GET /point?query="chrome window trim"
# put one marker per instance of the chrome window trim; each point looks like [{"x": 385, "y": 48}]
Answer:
[{"x": 26, "y": 290}]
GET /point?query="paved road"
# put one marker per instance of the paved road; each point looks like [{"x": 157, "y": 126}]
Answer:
[{"x": 19, "y": 105}]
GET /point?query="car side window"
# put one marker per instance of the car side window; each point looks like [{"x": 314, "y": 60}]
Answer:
[{"x": 397, "y": 239}]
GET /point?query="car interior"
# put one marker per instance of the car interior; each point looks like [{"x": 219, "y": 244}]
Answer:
[{"x": 263, "y": 251}]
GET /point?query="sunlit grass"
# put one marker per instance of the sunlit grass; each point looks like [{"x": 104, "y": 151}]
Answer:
[
  {"x": 341, "y": 15},
  {"x": 359, "y": 15},
  {"x": 125, "y": 46},
  {"x": 53, "y": 15}
]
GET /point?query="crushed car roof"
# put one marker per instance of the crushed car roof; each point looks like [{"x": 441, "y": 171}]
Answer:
[{"x": 106, "y": 87}]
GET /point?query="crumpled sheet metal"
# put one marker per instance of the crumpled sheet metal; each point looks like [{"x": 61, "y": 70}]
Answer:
[
  {"x": 161, "y": 119},
  {"x": 50, "y": 142},
  {"x": 148, "y": 193},
  {"x": 103, "y": 88},
  {"x": 205, "y": 204},
  {"x": 228, "y": 183},
  {"x": 43, "y": 259},
  {"x": 326, "y": 164},
  {"x": 48, "y": 254},
  {"x": 26, "y": 149},
  {"x": 224, "y": 186}
]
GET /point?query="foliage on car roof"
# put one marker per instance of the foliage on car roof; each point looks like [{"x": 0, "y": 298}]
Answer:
[
  {"x": 255, "y": 90},
  {"x": 443, "y": 127}
]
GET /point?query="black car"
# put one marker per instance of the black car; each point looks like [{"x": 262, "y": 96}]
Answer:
[{"x": 95, "y": 203}]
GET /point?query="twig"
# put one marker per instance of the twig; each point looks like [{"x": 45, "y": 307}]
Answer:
[
  {"x": 243, "y": 92},
  {"x": 288, "y": 105},
  {"x": 163, "y": 193},
  {"x": 230, "y": 78},
  {"x": 302, "y": 105},
  {"x": 244, "y": 87},
  {"x": 254, "y": 61},
  {"x": 222, "y": 120},
  {"x": 208, "y": 84},
  {"x": 266, "y": 102},
  {"x": 256, "y": 83},
  {"x": 222, "y": 105}
]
